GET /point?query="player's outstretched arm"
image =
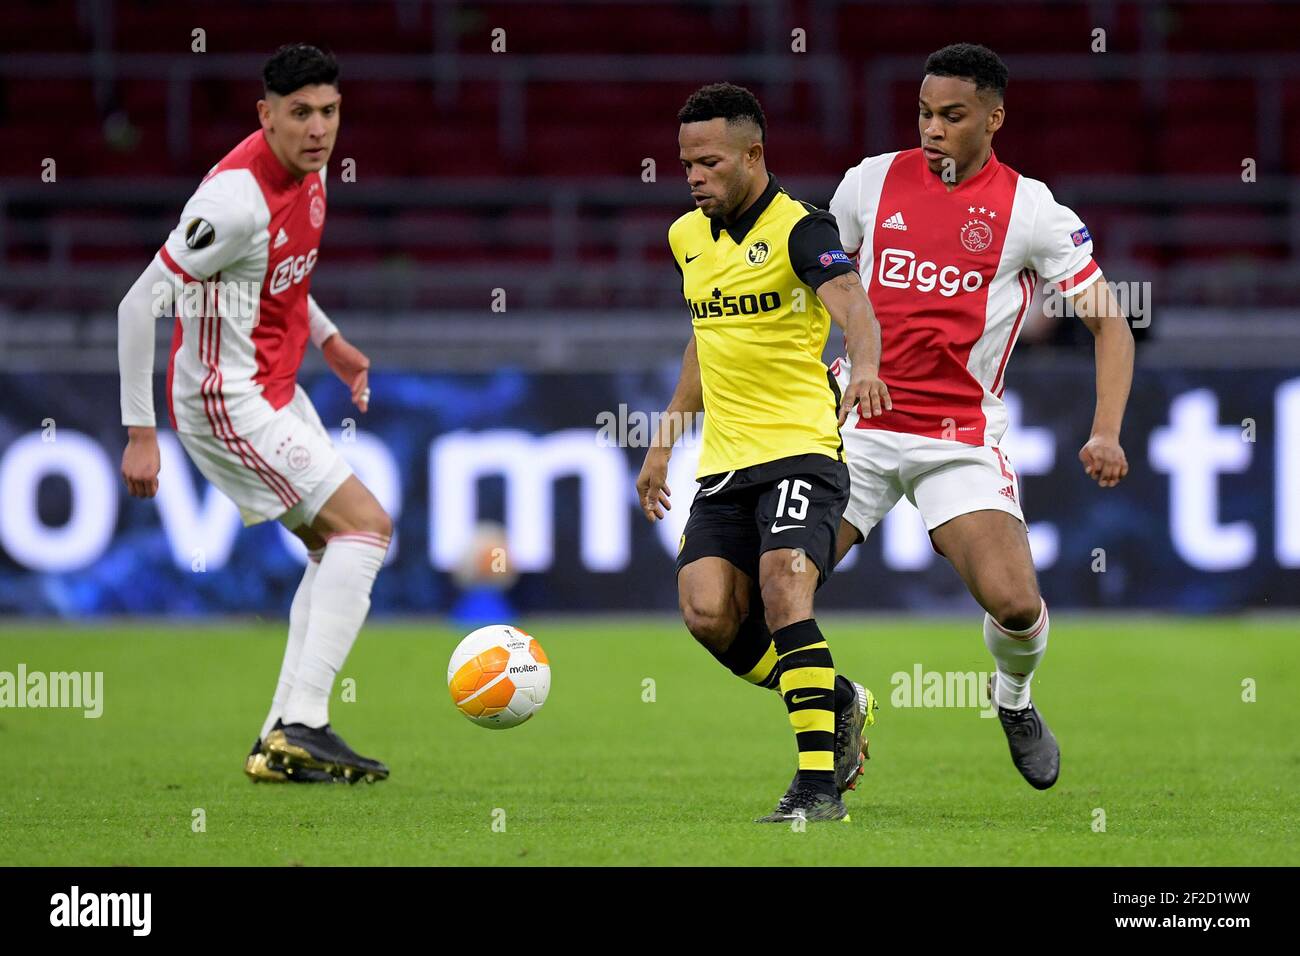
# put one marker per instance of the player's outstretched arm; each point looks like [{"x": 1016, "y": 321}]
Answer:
[
  {"x": 139, "y": 309},
  {"x": 347, "y": 361},
  {"x": 850, "y": 309},
  {"x": 1103, "y": 458},
  {"x": 688, "y": 399}
]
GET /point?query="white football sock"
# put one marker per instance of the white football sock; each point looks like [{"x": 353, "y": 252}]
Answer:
[
  {"x": 1017, "y": 654},
  {"x": 297, "y": 632},
  {"x": 340, "y": 600}
]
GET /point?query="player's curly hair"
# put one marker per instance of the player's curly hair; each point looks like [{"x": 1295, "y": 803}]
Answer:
[
  {"x": 724, "y": 101},
  {"x": 296, "y": 65},
  {"x": 970, "y": 61}
]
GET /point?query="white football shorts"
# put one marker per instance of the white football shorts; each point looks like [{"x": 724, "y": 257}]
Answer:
[
  {"x": 944, "y": 479},
  {"x": 284, "y": 470}
]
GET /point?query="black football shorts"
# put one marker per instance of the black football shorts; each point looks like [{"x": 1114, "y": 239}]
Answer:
[{"x": 788, "y": 503}]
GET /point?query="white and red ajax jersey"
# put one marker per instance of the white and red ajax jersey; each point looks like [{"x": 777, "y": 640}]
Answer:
[
  {"x": 950, "y": 276},
  {"x": 250, "y": 234}
]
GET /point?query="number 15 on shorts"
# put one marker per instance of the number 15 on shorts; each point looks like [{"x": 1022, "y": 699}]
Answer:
[{"x": 792, "y": 497}]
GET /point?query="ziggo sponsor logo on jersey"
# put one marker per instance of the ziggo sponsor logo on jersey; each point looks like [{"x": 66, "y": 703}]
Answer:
[
  {"x": 748, "y": 304},
  {"x": 899, "y": 270},
  {"x": 292, "y": 271}
]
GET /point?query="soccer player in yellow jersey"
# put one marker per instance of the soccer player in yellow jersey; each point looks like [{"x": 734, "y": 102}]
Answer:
[{"x": 764, "y": 275}]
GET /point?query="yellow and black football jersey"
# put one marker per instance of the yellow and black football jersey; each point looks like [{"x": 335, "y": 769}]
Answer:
[{"x": 760, "y": 329}]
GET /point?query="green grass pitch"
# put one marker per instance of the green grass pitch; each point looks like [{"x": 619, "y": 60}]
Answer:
[{"x": 1148, "y": 710}]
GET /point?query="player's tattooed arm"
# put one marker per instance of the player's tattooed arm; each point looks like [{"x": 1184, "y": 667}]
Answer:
[
  {"x": 846, "y": 301},
  {"x": 1103, "y": 457},
  {"x": 688, "y": 399}
]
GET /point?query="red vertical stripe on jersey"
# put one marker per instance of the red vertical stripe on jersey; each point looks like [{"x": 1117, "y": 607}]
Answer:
[
  {"x": 214, "y": 404},
  {"x": 273, "y": 479},
  {"x": 211, "y": 357},
  {"x": 209, "y": 361},
  {"x": 1026, "y": 293}
]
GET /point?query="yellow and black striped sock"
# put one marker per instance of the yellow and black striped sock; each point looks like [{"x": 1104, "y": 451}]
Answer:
[
  {"x": 808, "y": 687},
  {"x": 752, "y": 655}
]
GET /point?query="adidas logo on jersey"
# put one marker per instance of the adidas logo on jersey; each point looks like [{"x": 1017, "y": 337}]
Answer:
[
  {"x": 280, "y": 239},
  {"x": 1009, "y": 492},
  {"x": 895, "y": 222}
]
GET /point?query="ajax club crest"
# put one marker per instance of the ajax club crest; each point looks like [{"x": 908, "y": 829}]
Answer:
[
  {"x": 976, "y": 235},
  {"x": 316, "y": 211}
]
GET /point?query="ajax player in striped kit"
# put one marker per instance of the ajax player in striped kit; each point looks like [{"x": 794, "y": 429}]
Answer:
[
  {"x": 950, "y": 244},
  {"x": 246, "y": 243}
]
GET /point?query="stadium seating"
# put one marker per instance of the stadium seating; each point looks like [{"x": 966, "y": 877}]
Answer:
[{"x": 588, "y": 91}]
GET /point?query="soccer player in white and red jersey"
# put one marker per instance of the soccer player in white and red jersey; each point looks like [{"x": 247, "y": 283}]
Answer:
[
  {"x": 246, "y": 243},
  {"x": 950, "y": 245}
]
